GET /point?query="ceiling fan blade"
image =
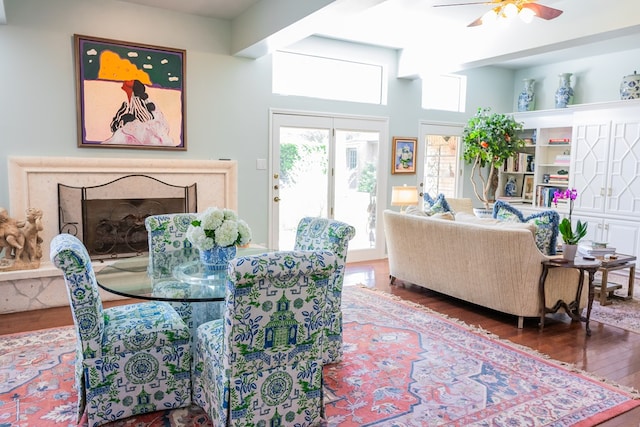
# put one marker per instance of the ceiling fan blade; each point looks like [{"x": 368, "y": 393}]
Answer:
[
  {"x": 476, "y": 22},
  {"x": 544, "y": 12}
]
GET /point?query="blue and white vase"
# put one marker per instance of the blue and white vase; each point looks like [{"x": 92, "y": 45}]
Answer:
[
  {"x": 216, "y": 259},
  {"x": 526, "y": 100},
  {"x": 564, "y": 93},
  {"x": 510, "y": 187},
  {"x": 630, "y": 86}
]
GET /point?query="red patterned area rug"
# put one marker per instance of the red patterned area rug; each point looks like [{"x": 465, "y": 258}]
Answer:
[{"x": 404, "y": 365}]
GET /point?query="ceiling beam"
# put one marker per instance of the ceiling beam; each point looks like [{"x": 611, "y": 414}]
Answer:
[{"x": 272, "y": 24}]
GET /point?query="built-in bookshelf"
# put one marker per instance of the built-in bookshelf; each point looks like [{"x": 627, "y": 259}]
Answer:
[{"x": 543, "y": 165}]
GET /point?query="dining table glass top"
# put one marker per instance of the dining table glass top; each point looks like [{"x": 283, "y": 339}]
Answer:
[{"x": 172, "y": 276}]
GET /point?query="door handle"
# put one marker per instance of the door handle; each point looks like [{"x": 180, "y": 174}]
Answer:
[{"x": 276, "y": 199}]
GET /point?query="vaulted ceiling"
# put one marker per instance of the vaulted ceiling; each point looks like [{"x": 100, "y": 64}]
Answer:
[{"x": 432, "y": 37}]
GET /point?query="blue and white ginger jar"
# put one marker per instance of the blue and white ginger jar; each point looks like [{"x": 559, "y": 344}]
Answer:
[
  {"x": 630, "y": 87},
  {"x": 564, "y": 94},
  {"x": 526, "y": 100}
]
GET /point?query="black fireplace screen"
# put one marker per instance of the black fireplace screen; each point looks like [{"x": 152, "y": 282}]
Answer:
[{"x": 109, "y": 218}]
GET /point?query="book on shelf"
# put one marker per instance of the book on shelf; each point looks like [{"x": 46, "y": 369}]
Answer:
[
  {"x": 563, "y": 159},
  {"x": 564, "y": 182},
  {"x": 586, "y": 249},
  {"x": 559, "y": 141}
]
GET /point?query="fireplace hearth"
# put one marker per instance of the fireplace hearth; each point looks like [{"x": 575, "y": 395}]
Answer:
[{"x": 109, "y": 218}]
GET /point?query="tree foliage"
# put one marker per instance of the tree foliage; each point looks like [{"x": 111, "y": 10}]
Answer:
[{"x": 489, "y": 140}]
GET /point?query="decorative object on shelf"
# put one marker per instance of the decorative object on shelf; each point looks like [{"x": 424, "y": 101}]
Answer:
[
  {"x": 20, "y": 243},
  {"x": 215, "y": 230},
  {"x": 564, "y": 93},
  {"x": 526, "y": 101},
  {"x": 489, "y": 140},
  {"x": 569, "y": 237},
  {"x": 510, "y": 188},
  {"x": 630, "y": 86}
]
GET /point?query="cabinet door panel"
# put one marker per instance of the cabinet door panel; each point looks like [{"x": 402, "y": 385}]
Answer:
[
  {"x": 595, "y": 228},
  {"x": 622, "y": 235},
  {"x": 624, "y": 182},
  {"x": 590, "y": 152}
]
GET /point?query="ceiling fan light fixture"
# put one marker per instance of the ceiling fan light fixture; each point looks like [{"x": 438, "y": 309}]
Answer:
[
  {"x": 491, "y": 17},
  {"x": 526, "y": 15},
  {"x": 510, "y": 10}
]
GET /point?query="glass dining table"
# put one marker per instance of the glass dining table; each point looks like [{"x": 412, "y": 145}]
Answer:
[{"x": 176, "y": 277}]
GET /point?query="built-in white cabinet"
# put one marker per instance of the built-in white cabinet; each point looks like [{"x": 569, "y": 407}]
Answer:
[
  {"x": 602, "y": 143},
  {"x": 606, "y": 162},
  {"x": 620, "y": 234},
  {"x": 606, "y": 171}
]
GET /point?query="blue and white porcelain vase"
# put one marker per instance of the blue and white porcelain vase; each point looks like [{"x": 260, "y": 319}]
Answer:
[
  {"x": 526, "y": 100},
  {"x": 630, "y": 87},
  {"x": 510, "y": 187},
  {"x": 216, "y": 259},
  {"x": 564, "y": 93}
]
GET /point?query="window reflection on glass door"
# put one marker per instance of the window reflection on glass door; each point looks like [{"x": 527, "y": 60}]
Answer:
[
  {"x": 440, "y": 163},
  {"x": 440, "y": 167},
  {"x": 355, "y": 184}
]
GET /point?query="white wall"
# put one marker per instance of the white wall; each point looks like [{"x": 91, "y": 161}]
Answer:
[{"x": 595, "y": 79}]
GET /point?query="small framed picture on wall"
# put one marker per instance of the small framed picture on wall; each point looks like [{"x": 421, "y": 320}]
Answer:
[{"x": 404, "y": 152}]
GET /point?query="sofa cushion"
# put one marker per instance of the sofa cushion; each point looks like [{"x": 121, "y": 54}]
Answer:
[
  {"x": 546, "y": 223},
  {"x": 472, "y": 219},
  {"x": 437, "y": 205},
  {"x": 414, "y": 210}
]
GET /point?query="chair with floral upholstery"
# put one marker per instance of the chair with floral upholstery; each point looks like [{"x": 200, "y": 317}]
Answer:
[
  {"x": 329, "y": 235},
  {"x": 169, "y": 248},
  {"x": 167, "y": 234},
  {"x": 261, "y": 364},
  {"x": 130, "y": 359}
]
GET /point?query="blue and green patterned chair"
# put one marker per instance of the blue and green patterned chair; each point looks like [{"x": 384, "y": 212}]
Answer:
[
  {"x": 329, "y": 235},
  {"x": 167, "y": 234},
  {"x": 130, "y": 359},
  {"x": 261, "y": 364},
  {"x": 169, "y": 248}
]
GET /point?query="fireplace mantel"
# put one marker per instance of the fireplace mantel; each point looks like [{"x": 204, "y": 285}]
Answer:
[{"x": 34, "y": 183}]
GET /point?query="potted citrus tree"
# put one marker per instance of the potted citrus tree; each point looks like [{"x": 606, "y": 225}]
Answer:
[{"x": 489, "y": 140}]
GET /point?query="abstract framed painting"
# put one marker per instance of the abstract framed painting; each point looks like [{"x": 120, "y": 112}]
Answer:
[
  {"x": 130, "y": 95},
  {"x": 404, "y": 155}
]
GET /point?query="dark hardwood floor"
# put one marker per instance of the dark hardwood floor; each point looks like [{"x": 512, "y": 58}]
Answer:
[{"x": 610, "y": 352}]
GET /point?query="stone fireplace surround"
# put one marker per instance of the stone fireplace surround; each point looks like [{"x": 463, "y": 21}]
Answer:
[{"x": 33, "y": 182}]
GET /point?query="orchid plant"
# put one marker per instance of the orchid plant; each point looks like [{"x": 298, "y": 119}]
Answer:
[
  {"x": 218, "y": 227},
  {"x": 569, "y": 237}
]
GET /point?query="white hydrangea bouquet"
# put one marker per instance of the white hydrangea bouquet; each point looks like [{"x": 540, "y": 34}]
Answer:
[{"x": 218, "y": 227}]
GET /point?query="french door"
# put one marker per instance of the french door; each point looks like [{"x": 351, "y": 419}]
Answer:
[
  {"x": 328, "y": 166},
  {"x": 440, "y": 168}
]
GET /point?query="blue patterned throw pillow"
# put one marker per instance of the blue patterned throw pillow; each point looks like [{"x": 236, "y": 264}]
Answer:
[
  {"x": 437, "y": 205},
  {"x": 546, "y": 223}
]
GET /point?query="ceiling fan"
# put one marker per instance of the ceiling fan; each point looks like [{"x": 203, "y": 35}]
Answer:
[{"x": 526, "y": 9}]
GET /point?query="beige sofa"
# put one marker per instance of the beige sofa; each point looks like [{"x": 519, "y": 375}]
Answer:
[{"x": 483, "y": 263}]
